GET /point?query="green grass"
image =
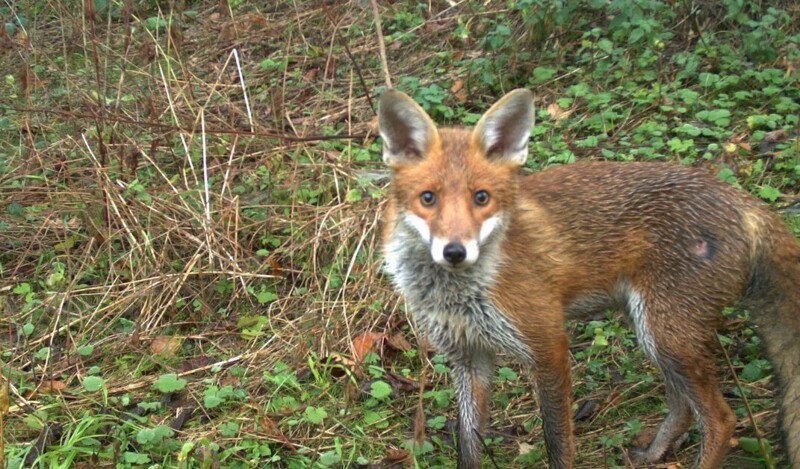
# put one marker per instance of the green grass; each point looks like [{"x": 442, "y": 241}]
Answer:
[{"x": 189, "y": 260}]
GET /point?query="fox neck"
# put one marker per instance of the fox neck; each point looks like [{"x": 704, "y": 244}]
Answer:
[{"x": 453, "y": 307}]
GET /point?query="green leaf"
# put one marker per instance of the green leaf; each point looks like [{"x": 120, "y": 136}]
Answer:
[
  {"x": 751, "y": 372},
  {"x": 169, "y": 383},
  {"x": 329, "y": 458},
  {"x": 22, "y": 289},
  {"x": 374, "y": 418},
  {"x": 264, "y": 297},
  {"x": 27, "y": 329},
  {"x": 506, "y": 374},
  {"x": 14, "y": 209},
  {"x": 212, "y": 400},
  {"x": 93, "y": 383},
  {"x": 154, "y": 435},
  {"x": 155, "y": 22},
  {"x": 541, "y": 74},
  {"x": 315, "y": 415},
  {"x": 750, "y": 445},
  {"x": 769, "y": 193},
  {"x": 135, "y": 458},
  {"x": 600, "y": 340},
  {"x": 380, "y": 389},
  {"x": 353, "y": 195},
  {"x": 86, "y": 350},
  {"x": 229, "y": 429}
]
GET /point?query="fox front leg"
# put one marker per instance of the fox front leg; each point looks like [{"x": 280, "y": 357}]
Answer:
[
  {"x": 472, "y": 373},
  {"x": 552, "y": 376}
]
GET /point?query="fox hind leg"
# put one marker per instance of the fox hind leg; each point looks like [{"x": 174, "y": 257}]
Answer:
[
  {"x": 672, "y": 428},
  {"x": 680, "y": 338}
]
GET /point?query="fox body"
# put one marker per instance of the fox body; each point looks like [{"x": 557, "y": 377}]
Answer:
[{"x": 490, "y": 261}]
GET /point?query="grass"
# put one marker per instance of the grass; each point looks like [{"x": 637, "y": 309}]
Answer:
[{"x": 189, "y": 218}]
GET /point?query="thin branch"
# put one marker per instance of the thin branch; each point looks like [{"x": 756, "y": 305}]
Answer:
[{"x": 381, "y": 44}]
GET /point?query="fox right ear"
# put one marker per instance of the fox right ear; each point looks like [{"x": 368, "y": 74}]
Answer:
[
  {"x": 405, "y": 128},
  {"x": 502, "y": 133}
]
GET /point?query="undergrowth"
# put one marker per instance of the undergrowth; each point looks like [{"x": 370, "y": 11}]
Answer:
[{"x": 189, "y": 218}]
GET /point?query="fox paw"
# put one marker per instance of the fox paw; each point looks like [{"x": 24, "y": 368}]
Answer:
[{"x": 651, "y": 456}]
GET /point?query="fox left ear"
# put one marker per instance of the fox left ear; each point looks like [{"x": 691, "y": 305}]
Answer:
[
  {"x": 407, "y": 131},
  {"x": 503, "y": 131}
]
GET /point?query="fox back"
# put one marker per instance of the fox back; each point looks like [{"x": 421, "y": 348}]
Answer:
[{"x": 491, "y": 262}]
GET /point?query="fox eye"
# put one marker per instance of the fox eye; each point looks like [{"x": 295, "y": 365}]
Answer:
[
  {"x": 427, "y": 198},
  {"x": 481, "y": 197}
]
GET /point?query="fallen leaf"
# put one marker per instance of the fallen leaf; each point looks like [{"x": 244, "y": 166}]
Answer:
[
  {"x": 525, "y": 448},
  {"x": 398, "y": 342},
  {"x": 775, "y": 136},
  {"x": 52, "y": 386},
  {"x": 165, "y": 345},
  {"x": 556, "y": 113},
  {"x": 273, "y": 432},
  {"x": 401, "y": 383},
  {"x": 275, "y": 266},
  {"x": 586, "y": 409},
  {"x": 397, "y": 456},
  {"x": 3, "y": 398},
  {"x": 366, "y": 343},
  {"x": 459, "y": 91}
]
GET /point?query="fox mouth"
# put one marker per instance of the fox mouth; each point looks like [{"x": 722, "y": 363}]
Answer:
[{"x": 456, "y": 268}]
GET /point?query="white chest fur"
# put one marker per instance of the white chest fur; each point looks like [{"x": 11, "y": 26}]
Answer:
[{"x": 452, "y": 308}]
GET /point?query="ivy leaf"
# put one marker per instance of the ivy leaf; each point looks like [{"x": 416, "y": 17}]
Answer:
[
  {"x": 329, "y": 458},
  {"x": 380, "y": 389},
  {"x": 135, "y": 458},
  {"x": 93, "y": 383},
  {"x": 751, "y": 372},
  {"x": 263, "y": 297},
  {"x": 315, "y": 415},
  {"x": 353, "y": 195},
  {"x": 169, "y": 383}
]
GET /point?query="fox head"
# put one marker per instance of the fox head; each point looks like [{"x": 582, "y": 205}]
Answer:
[{"x": 455, "y": 187}]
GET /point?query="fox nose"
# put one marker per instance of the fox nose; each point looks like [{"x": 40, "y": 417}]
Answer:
[{"x": 454, "y": 253}]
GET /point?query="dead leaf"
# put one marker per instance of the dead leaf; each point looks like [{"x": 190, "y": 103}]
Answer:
[
  {"x": 525, "y": 448},
  {"x": 401, "y": 383},
  {"x": 775, "y": 136},
  {"x": 52, "y": 386},
  {"x": 556, "y": 113},
  {"x": 3, "y": 398},
  {"x": 366, "y": 343},
  {"x": 459, "y": 92},
  {"x": 165, "y": 345},
  {"x": 586, "y": 409},
  {"x": 273, "y": 432},
  {"x": 275, "y": 267},
  {"x": 398, "y": 342},
  {"x": 397, "y": 456}
]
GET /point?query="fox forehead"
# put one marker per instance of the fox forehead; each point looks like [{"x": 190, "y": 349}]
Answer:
[{"x": 454, "y": 165}]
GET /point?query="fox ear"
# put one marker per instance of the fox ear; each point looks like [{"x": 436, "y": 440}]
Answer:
[
  {"x": 502, "y": 133},
  {"x": 405, "y": 128}
]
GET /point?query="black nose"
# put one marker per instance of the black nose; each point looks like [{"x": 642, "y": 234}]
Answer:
[{"x": 454, "y": 253}]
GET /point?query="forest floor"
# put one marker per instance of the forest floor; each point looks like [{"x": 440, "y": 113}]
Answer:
[{"x": 189, "y": 219}]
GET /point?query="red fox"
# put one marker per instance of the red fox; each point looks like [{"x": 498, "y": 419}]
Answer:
[{"x": 490, "y": 261}]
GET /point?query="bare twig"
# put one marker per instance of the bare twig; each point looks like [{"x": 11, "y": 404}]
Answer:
[{"x": 381, "y": 45}]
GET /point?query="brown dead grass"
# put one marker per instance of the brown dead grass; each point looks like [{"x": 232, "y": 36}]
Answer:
[{"x": 157, "y": 262}]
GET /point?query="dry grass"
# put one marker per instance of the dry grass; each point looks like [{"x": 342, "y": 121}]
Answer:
[{"x": 169, "y": 176}]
